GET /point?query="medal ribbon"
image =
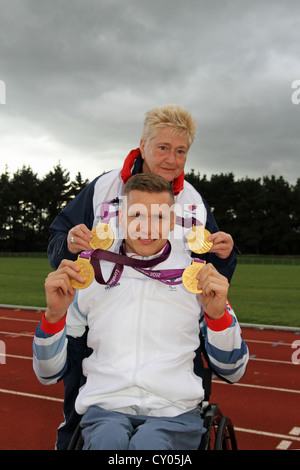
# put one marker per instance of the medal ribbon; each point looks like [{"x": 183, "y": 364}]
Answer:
[
  {"x": 166, "y": 276},
  {"x": 188, "y": 223},
  {"x": 105, "y": 215}
]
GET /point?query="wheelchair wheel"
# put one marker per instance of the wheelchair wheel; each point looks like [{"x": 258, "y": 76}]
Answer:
[
  {"x": 225, "y": 436},
  {"x": 76, "y": 442},
  {"x": 220, "y": 432}
]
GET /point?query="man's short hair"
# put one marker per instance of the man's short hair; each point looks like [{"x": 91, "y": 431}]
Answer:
[
  {"x": 173, "y": 116},
  {"x": 150, "y": 183}
]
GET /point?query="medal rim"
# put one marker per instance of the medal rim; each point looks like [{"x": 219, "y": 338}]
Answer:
[
  {"x": 188, "y": 274},
  {"x": 88, "y": 280},
  {"x": 206, "y": 244},
  {"x": 98, "y": 243}
]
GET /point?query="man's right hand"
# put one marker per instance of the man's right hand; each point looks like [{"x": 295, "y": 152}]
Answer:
[
  {"x": 214, "y": 291},
  {"x": 59, "y": 291}
]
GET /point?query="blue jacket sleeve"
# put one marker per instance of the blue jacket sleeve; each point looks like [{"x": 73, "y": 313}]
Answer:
[
  {"x": 78, "y": 211},
  {"x": 225, "y": 266},
  {"x": 223, "y": 347}
]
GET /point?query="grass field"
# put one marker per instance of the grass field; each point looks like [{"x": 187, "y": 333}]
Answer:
[
  {"x": 263, "y": 294},
  {"x": 266, "y": 294},
  {"x": 22, "y": 281}
]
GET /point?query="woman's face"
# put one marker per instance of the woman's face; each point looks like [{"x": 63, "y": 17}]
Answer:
[{"x": 165, "y": 154}]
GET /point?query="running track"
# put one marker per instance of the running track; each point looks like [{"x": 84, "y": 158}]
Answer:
[{"x": 264, "y": 406}]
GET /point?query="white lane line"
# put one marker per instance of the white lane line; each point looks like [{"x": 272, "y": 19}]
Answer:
[
  {"x": 284, "y": 444},
  {"x": 295, "y": 431},
  {"x": 30, "y": 395},
  {"x": 277, "y": 343},
  {"x": 262, "y": 387},
  {"x": 16, "y": 357},
  {"x": 268, "y": 434},
  {"x": 20, "y": 319},
  {"x": 275, "y": 361},
  {"x": 10, "y": 333}
]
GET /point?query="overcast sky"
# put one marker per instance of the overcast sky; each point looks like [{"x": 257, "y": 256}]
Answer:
[{"x": 77, "y": 77}]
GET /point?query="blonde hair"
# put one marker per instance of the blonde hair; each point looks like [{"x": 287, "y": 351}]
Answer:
[{"x": 178, "y": 119}]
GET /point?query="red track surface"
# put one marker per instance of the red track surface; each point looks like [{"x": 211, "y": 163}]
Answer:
[{"x": 264, "y": 406}]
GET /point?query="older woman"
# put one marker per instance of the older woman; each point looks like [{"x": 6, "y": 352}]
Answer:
[{"x": 168, "y": 133}]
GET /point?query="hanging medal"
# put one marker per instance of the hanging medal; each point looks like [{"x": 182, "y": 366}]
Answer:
[
  {"x": 198, "y": 240},
  {"x": 86, "y": 271},
  {"x": 103, "y": 237},
  {"x": 189, "y": 276}
]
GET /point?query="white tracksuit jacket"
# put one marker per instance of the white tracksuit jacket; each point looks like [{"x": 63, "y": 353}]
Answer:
[{"x": 144, "y": 335}]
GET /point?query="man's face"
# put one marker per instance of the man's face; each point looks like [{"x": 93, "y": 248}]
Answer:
[
  {"x": 147, "y": 219},
  {"x": 165, "y": 154}
]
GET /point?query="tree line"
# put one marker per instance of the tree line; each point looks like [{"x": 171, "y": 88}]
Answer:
[
  {"x": 29, "y": 205},
  {"x": 262, "y": 215}
]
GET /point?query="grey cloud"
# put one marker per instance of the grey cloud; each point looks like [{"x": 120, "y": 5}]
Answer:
[{"x": 85, "y": 72}]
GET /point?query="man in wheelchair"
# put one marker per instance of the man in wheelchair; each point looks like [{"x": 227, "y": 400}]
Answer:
[{"x": 141, "y": 391}]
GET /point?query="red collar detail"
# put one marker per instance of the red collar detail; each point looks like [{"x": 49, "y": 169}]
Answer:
[
  {"x": 178, "y": 184},
  {"x": 129, "y": 162}
]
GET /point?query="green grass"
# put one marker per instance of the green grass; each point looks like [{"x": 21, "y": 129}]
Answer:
[
  {"x": 22, "y": 281},
  {"x": 266, "y": 294},
  {"x": 259, "y": 293}
]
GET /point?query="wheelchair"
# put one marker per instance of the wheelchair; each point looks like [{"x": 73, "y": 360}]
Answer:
[{"x": 219, "y": 435}]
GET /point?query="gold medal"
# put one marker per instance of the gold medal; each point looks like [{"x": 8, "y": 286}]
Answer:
[
  {"x": 103, "y": 237},
  {"x": 189, "y": 279},
  {"x": 86, "y": 271},
  {"x": 198, "y": 240}
]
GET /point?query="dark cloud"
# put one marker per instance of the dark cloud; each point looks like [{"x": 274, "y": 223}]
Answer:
[{"x": 80, "y": 75}]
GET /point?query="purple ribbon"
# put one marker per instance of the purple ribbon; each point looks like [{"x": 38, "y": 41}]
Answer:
[
  {"x": 105, "y": 215},
  {"x": 167, "y": 276},
  {"x": 187, "y": 223}
]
